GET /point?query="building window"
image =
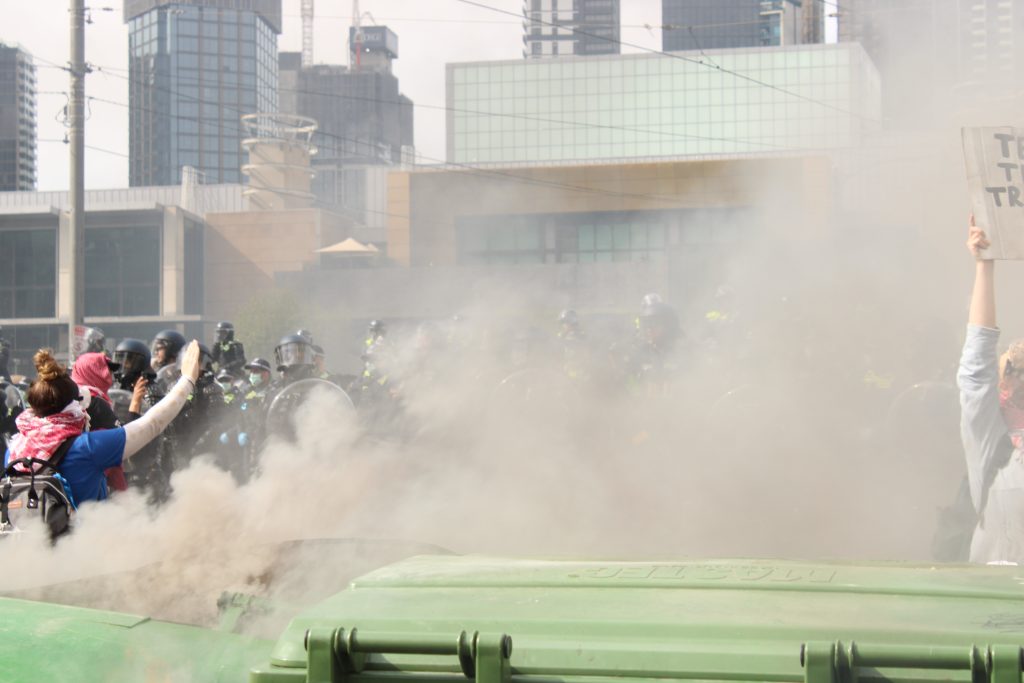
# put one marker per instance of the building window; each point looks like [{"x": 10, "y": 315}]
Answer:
[
  {"x": 129, "y": 261},
  {"x": 28, "y": 273}
]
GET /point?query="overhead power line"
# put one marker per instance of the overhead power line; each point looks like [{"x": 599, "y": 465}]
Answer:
[{"x": 676, "y": 55}]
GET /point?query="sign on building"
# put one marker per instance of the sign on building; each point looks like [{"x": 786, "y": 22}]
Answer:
[{"x": 994, "y": 158}]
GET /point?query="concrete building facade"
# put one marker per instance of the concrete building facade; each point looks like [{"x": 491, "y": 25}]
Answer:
[
  {"x": 155, "y": 258},
  {"x": 17, "y": 120}
]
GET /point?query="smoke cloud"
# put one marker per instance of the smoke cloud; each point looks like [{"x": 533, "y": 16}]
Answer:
[{"x": 816, "y": 419}]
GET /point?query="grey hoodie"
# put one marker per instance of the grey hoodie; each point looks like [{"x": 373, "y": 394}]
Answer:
[{"x": 999, "y": 536}]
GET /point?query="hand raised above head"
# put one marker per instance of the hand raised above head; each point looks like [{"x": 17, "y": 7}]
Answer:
[
  {"x": 977, "y": 240},
  {"x": 190, "y": 361}
]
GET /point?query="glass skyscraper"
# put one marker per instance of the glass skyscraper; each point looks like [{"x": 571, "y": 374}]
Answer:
[
  {"x": 195, "y": 67},
  {"x": 17, "y": 119},
  {"x": 600, "y": 109},
  {"x": 715, "y": 24},
  {"x": 570, "y": 27}
]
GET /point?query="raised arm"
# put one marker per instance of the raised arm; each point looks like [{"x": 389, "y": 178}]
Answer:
[
  {"x": 982, "y": 428},
  {"x": 983, "y": 296},
  {"x": 140, "y": 432}
]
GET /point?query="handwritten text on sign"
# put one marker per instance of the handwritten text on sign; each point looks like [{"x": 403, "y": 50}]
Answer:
[
  {"x": 994, "y": 161},
  {"x": 1012, "y": 152}
]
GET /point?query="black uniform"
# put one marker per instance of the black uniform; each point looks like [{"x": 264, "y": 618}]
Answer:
[
  {"x": 228, "y": 354},
  {"x": 5, "y": 359}
]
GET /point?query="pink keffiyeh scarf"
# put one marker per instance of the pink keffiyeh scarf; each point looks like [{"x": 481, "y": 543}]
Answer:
[
  {"x": 39, "y": 437},
  {"x": 1014, "y": 418}
]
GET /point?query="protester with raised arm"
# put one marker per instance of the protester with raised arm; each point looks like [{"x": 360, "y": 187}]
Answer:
[{"x": 992, "y": 420}]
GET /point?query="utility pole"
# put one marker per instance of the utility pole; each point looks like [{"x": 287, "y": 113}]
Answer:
[{"x": 76, "y": 121}]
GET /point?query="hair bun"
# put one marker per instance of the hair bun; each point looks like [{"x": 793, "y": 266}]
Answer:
[{"x": 47, "y": 366}]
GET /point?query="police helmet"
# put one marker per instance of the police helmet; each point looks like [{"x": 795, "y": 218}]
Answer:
[
  {"x": 259, "y": 365},
  {"x": 569, "y": 318},
  {"x": 133, "y": 356},
  {"x": 171, "y": 341},
  {"x": 651, "y": 299},
  {"x": 225, "y": 331},
  {"x": 377, "y": 328},
  {"x": 95, "y": 340},
  {"x": 307, "y": 334},
  {"x": 293, "y": 350},
  {"x": 318, "y": 351}
]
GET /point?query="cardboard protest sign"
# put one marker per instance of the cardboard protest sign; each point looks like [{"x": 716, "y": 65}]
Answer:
[{"x": 995, "y": 179}]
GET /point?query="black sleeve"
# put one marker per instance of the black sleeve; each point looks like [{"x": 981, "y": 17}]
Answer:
[{"x": 101, "y": 415}]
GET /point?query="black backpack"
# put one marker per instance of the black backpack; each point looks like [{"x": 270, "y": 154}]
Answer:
[{"x": 24, "y": 495}]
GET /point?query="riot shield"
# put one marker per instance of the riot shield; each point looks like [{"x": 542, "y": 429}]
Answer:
[{"x": 288, "y": 399}]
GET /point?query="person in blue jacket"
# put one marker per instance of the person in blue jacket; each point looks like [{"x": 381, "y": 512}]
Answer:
[{"x": 55, "y": 415}]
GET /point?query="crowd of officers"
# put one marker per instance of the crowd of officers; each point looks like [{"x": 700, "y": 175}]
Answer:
[{"x": 228, "y": 414}]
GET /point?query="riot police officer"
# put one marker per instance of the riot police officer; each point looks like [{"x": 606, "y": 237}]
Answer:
[
  {"x": 133, "y": 357},
  {"x": 375, "y": 333},
  {"x": 569, "y": 328},
  {"x": 228, "y": 353},
  {"x": 575, "y": 354},
  {"x": 658, "y": 333},
  {"x": 294, "y": 356},
  {"x": 95, "y": 341},
  {"x": 152, "y": 467},
  {"x": 164, "y": 350},
  {"x": 5, "y": 357}
]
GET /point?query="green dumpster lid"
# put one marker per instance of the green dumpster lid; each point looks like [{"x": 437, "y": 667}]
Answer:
[{"x": 751, "y": 620}]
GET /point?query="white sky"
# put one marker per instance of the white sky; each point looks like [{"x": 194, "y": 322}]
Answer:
[{"x": 431, "y": 33}]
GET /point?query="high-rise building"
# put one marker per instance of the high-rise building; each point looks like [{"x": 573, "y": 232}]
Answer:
[
  {"x": 956, "y": 52},
  {"x": 195, "y": 67},
  {"x": 17, "y": 120},
  {"x": 991, "y": 41},
  {"x": 570, "y": 27},
  {"x": 717, "y": 24},
  {"x": 365, "y": 123}
]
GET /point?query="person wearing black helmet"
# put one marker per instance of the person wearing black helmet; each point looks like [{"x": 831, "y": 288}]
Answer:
[
  {"x": 132, "y": 355},
  {"x": 375, "y": 333},
  {"x": 95, "y": 341},
  {"x": 658, "y": 333},
  {"x": 575, "y": 356},
  {"x": 165, "y": 348},
  {"x": 294, "y": 357},
  {"x": 5, "y": 357},
  {"x": 228, "y": 353},
  {"x": 569, "y": 325}
]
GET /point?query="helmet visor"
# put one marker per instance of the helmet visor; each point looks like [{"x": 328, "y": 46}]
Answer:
[
  {"x": 293, "y": 353},
  {"x": 131, "y": 363}
]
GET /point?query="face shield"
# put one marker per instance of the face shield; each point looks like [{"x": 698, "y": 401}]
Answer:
[
  {"x": 293, "y": 354},
  {"x": 132, "y": 364},
  {"x": 158, "y": 353}
]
